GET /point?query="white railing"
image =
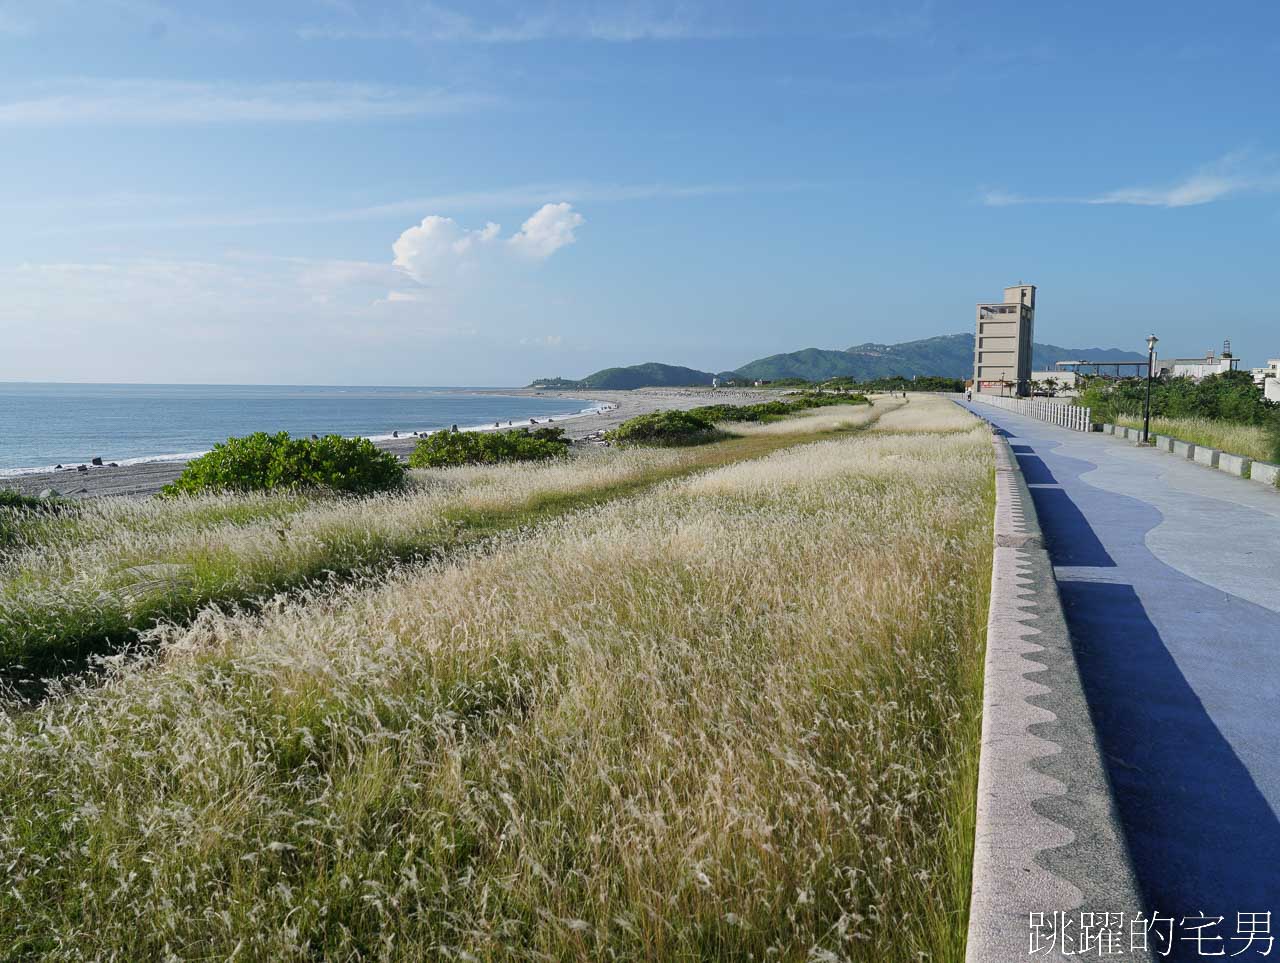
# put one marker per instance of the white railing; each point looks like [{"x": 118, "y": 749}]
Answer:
[{"x": 1054, "y": 412}]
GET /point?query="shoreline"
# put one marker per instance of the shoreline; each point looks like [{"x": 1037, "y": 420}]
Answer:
[
  {"x": 13, "y": 474},
  {"x": 141, "y": 478}
]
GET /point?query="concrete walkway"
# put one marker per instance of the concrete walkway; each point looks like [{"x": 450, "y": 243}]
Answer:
[{"x": 1170, "y": 578}]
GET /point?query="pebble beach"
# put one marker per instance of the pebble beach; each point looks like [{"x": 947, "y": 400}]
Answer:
[{"x": 145, "y": 478}]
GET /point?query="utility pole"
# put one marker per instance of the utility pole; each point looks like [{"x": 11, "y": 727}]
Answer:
[{"x": 1146, "y": 409}]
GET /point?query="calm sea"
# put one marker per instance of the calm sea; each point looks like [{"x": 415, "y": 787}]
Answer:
[{"x": 42, "y": 425}]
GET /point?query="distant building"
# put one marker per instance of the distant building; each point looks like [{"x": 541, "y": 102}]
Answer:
[
  {"x": 1272, "y": 370},
  {"x": 1002, "y": 345},
  {"x": 1197, "y": 368},
  {"x": 1059, "y": 382},
  {"x": 1268, "y": 379}
]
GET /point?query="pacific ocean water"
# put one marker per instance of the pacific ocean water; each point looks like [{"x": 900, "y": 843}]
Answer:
[{"x": 42, "y": 425}]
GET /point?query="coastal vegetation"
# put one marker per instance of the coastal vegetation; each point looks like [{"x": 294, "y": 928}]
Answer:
[
  {"x": 90, "y": 581},
  {"x": 831, "y": 419},
  {"x": 94, "y": 579},
  {"x": 11, "y": 500},
  {"x": 1253, "y": 441},
  {"x": 446, "y": 449},
  {"x": 730, "y": 715},
  {"x": 899, "y": 383},
  {"x": 664, "y": 428},
  {"x": 1225, "y": 411},
  {"x": 699, "y": 425},
  {"x": 262, "y": 462},
  {"x": 777, "y": 408},
  {"x": 17, "y": 509}
]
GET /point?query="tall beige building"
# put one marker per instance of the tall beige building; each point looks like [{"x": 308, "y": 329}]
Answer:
[{"x": 1002, "y": 348}]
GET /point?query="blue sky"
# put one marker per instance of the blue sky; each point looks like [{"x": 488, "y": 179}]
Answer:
[{"x": 323, "y": 191}]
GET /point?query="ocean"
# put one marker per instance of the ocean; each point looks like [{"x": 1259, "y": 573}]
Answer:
[{"x": 42, "y": 425}]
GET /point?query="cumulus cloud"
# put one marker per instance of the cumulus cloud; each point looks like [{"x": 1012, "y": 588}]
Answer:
[
  {"x": 549, "y": 229},
  {"x": 438, "y": 246}
]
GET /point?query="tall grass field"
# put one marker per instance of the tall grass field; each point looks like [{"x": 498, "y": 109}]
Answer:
[
  {"x": 1254, "y": 441},
  {"x": 731, "y": 715}
]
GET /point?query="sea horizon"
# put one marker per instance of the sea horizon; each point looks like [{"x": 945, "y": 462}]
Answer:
[{"x": 44, "y": 424}]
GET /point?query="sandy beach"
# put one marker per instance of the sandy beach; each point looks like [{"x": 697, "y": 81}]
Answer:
[{"x": 147, "y": 478}]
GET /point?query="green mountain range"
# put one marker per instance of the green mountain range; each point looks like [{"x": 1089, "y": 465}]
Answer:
[{"x": 948, "y": 356}]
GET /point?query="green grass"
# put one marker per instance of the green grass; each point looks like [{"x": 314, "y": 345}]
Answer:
[{"x": 732, "y": 715}]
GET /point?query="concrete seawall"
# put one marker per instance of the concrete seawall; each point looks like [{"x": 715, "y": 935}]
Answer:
[
  {"x": 1237, "y": 465},
  {"x": 1206, "y": 456},
  {"x": 1048, "y": 838}
]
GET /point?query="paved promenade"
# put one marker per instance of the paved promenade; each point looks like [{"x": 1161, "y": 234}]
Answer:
[{"x": 1170, "y": 578}]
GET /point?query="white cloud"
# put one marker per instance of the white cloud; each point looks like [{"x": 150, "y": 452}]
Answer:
[
  {"x": 1200, "y": 189},
  {"x": 438, "y": 246},
  {"x": 508, "y": 197},
  {"x": 144, "y": 102},
  {"x": 103, "y": 18},
  {"x": 1230, "y": 176},
  {"x": 218, "y": 318},
  {"x": 446, "y": 26},
  {"x": 439, "y": 249},
  {"x": 549, "y": 229},
  {"x": 237, "y": 318},
  {"x": 236, "y": 285},
  {"x": 630, "y": 22},
  {"x": 1002, "y": 199}
]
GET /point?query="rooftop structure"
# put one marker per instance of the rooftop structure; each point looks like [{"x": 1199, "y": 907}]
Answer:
[
  {"x": 1002, "y": 346},
  {"x": 1120, "y": 369},
  {"x": 1198, "y": 368}
]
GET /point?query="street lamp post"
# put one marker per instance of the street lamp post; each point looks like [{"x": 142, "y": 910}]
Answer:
[{"x": 1146, "y": 409}]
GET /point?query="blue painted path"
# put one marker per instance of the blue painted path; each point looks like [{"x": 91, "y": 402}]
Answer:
[{"x": 1170, "y": 579}]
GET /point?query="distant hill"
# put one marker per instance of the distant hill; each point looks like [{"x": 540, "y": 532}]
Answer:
[
  {"x": 648, "y": 375},
  {"x": 948, "y": 356}
]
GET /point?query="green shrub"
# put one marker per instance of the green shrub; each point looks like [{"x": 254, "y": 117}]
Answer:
[
  {"x": 17, "y": 510},
  {"x": 1230, "y": 397},
  {"x": 443, "y": 449},
  {"x": 726, "y": 413},
  {"x": 1100, "y": 402},
  {"x": 664, "y": 428},
  {"x": 827, "y": 400},
  {"x": 262, "y": 462},
  {"x": 772, "y": 410},
  {"x": 775, "y": 409},
  {"x": 16, "y": 500}
]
